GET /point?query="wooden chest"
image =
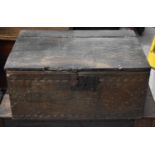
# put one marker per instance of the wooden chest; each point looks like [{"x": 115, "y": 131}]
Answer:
[{"x": 77, "y": 75}]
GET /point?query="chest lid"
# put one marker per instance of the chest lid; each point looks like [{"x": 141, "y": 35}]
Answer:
[{"x": 76, "y": 50}]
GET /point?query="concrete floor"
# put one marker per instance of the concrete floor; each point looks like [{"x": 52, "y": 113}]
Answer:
[{"x": 146, "y": 41}]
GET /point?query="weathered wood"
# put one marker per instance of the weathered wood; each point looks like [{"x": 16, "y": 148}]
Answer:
[
  {"x": 77, "y": 78},
  {"x": 147, "y": 120},
  {"x": 79, "y": 34},
  {"x": 144, "y": 122},
  {"x": 149, "y": 113},
  {"x": 59, "y": 95},
  {"x": 11, "y": 33},
  {"x": 153, "y": 123},
  {"x": 8, "y": 36},
  {"x": 5, "y": 107},
  {"x": 73, "y": 123},
  {"x": 52, "y": 53}
]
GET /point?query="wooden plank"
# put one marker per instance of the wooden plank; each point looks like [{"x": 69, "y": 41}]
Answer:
[
  {"x": 78, "y": 33},
  {"x": 144, "y": 122},
  {"x": 76, "y": 54},
  {"x": 11, "y": 33},
  {"x": 74, "y": 123}
]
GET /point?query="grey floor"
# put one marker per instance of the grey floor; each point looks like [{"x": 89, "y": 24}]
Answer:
[{"x": 146, "y": 41}]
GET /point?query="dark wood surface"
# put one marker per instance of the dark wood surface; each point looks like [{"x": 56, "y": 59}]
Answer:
[
  {"x": 74, "y": 123},
  {"x": 1, "y": 123},
  {"x": 65, "y": 95},
  {"x": 7, "y": 121},
  {"x": 57, "y": 53},
  {"x": 149, "y": 114},
  {"x": 8, "y": 37},
  {"x": 147, "y": 120},
  {"x": 149, "y": 108},
  {"x": 79, "y": 76}
]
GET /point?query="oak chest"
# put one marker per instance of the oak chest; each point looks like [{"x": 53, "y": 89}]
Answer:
[{"x": 77, "y": 75}]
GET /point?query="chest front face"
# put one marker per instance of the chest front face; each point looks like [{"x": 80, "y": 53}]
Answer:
[{"x": 76, "y": 77}]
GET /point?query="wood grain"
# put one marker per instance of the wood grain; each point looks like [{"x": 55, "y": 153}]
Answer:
[
  {"x": 60, "y": 95},
  {"x": 11, "y": 33},
  {"x": 76, "y": 53},
  {"x": 147, "y": 120},
  {"x": 78, "y": 33},
  {"x": 71, "y": 76},
  {"x": 64, "y": 123}
]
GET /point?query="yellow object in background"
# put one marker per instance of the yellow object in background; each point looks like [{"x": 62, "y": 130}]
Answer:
[{"x": 151, "y": 55}]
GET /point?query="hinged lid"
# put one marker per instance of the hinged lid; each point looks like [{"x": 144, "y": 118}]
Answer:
[{"x": 76, "y": 50}]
